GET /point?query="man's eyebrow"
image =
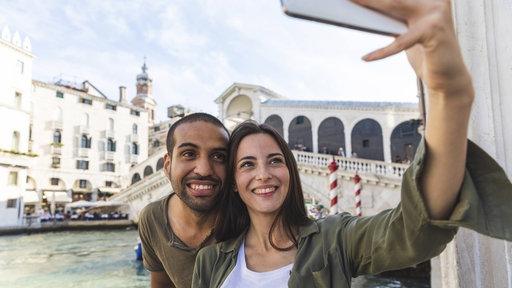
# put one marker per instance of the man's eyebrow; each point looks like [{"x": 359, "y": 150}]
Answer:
[
  {"x": 188, "y": 144},
  {"x": 193, "y": 145}
]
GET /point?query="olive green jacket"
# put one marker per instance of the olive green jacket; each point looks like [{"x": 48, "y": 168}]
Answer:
[{"x": 335, "y": 249}]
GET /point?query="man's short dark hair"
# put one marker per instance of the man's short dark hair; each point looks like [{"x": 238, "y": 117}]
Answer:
[{"x": 190, "y": 118}]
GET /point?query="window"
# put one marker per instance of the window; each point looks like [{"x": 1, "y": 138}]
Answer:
[
  {"x": 17, "y": 100},
  {"x": 54, "y": 181},
  {"x": 134, "y": 112},
  {"x": 111, "y": 124},
  {"x": 111, "y": 145},
  {"x": 15, "y": 141},
  {"x": 108, "y": 183},
  {"x": 55, "y": 161},
  {"x": 85, "y": 142},
  {"x": 12, "y": 203},
  {"x": 135, "y": 148},
  {"x": 13, "y": 178},
  {"x": 82, "y": 183},
  {"x": 111, "y": 167},
  {"x": 20, "y": 66},
  {"x": 86, "y": 101},
  {"x": 156, "y": 144},
  {"x": 82, "y": 164},
  {"x": 57, "y": 137},
  {"x": 110, "y": 107},
  {"x": 134, "y": 129},
  {"x": 59, "y": 94},
  {"x": 156, "y": 128},
  {"x": 366, "y": 143}
]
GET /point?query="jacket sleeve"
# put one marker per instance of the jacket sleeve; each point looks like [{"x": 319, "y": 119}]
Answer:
[
  {"x": 404, "y": 236},
  {"x": 485, "y": 199}
]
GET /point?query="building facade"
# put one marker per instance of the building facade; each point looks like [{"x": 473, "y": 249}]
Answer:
[
  {"x": 86, "y": 142},
  {"x": 15, "y": 105}
]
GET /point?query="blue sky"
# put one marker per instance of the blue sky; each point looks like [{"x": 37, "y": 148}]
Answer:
[{"x": 195, "y": 49}]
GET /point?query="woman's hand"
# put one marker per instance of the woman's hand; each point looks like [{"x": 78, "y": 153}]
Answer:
[{"x": 435, "y": 55}]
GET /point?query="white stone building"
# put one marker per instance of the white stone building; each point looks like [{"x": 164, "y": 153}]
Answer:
[
  {"x": 15, "y": 100},
  {"x": 86, "y": 142}
]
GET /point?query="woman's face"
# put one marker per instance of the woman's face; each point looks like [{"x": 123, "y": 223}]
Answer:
[{"x": 261, "y": 175}]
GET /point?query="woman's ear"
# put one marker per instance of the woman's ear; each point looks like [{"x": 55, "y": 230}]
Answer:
[{"x": 234, "y": 188}]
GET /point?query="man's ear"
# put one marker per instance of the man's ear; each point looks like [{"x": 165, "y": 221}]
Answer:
[{"x": 167, "y": 165}]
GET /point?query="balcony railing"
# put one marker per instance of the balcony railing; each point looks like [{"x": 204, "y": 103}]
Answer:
[
  {"x": 83, "y": 152},
  {"x": 55, "y": 149},
  {"x": 109, "y": 155}
]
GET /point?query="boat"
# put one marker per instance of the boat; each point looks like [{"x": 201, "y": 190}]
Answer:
[{"x": 138, "y": 250}]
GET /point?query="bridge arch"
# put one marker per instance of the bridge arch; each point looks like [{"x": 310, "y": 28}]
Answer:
[
  {"x": 404, "y": 140},
  {"x": 148, "y": 170},
  {"x": 276, "y": 122},
  {"x": 331, "y": 136},
  {"x": 367, "y": 140},
  {"x": 160, "y": 164},
  {"x": 300, "y": 136}
]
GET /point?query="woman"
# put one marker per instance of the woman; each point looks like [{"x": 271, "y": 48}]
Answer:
[{"x": 268, "y": 238}]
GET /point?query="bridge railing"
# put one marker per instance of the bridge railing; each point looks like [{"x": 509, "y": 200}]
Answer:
[{"x": 394, "y": 170}]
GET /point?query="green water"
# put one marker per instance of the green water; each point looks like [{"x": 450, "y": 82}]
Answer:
[{"x": 97, "y": 259}]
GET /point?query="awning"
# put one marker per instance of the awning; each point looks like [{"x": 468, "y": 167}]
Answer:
[
  {"x": 60, "y": 197},
  {"x": 31, "y": 197},
  {"x": 111, "y": 190}
]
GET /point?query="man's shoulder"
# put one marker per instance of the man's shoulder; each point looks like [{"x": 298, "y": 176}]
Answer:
[{"x": 156, "y": 207}]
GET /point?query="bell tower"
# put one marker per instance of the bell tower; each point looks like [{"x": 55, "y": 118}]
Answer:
[{"x": 144, "y": 97}]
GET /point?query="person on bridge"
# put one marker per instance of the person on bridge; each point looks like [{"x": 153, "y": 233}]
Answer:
[
  {"x": 268, "y": 240},
  {"x": 174, "y": 228}
]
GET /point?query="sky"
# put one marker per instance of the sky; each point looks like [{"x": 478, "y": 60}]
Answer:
[{"x": 196, "y": 49}]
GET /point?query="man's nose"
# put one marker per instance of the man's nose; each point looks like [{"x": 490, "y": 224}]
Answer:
[{"x": 203, "y": 167}]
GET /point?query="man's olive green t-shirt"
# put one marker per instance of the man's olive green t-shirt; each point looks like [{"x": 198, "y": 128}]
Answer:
[{"x": 162, "y": 250}]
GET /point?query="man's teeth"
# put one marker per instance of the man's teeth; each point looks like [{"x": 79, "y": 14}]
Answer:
[
  {"x": 201, "y": 187},
  {"x": 266, "y": 190}
]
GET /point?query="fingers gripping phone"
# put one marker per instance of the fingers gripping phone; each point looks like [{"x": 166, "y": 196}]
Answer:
[{"x": 344, "y": 13}]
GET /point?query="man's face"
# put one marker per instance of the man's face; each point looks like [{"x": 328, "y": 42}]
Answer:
[{"x": 197, "y": 165}]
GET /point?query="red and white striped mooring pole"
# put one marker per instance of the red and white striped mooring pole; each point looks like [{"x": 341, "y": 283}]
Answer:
[
  {"x": 357, "y": 188},
  {"x": 333, "y": 182}
]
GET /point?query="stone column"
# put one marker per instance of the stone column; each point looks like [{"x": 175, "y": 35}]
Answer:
[{"x": 484, "y": 29}]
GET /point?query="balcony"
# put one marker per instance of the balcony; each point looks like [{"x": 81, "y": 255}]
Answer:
[
  {"x": 134, "y": 138},
  {"x": 110, "y": 134},
  {"x": 56, "y": 148},
  {"x": 109, "y": 155},
  {"x": 134, "y": 159},
  {"x": 56, "y": 125},
  {"x": 83, "y": 152},
  {"x": 83, "y": 129}
]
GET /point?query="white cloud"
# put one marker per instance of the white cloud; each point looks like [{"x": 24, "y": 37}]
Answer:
[{"x": 195, "y": 49}]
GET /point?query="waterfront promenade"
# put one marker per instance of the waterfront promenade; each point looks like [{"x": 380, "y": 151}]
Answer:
[{"x": 67, "y": 225}]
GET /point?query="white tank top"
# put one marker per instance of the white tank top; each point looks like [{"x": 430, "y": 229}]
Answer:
[{"x": 242, "y": 277}]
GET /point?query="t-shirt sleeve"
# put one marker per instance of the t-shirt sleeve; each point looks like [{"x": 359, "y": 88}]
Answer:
[{"x": 147, "y": 234}]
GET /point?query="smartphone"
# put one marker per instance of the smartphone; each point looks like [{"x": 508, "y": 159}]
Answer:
[{"x": 344, "y": 13}]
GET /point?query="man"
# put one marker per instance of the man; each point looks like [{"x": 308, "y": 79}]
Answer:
[{"x": 174, "y": 228}]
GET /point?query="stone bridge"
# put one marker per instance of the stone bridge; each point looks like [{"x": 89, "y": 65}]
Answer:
[{"x": 380, "y": 184}]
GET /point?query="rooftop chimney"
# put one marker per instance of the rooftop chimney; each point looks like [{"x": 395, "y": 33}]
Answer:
[{"x": 122, "y": 94}]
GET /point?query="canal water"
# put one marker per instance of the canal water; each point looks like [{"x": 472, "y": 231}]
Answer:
[{"x": 97, "y": 259}]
